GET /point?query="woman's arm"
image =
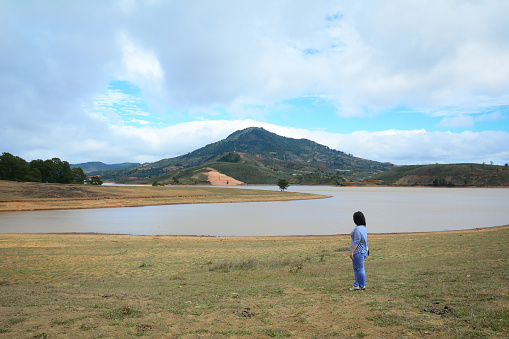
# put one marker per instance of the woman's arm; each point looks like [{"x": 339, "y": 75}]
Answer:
[{"x": 352, "y": 250}]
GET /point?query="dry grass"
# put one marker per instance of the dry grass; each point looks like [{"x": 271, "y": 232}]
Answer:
[
  {"x": 28, "y": 196},
  {"x": 113, "y": 286}
]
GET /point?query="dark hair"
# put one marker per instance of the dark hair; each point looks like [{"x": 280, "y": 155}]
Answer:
[{"x": 358, "y": 218}]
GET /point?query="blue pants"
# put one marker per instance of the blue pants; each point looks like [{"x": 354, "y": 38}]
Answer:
[{"x": 358, "y": 269}]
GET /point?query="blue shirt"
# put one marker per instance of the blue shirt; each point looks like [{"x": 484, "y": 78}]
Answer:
[{"x": 359, "y": 237}]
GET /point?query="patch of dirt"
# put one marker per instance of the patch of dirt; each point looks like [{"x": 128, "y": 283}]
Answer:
[
  {"x": 246, "y": 313},
  {"x": 218, "y": 179},
  {"x": 435, "y": 309}
]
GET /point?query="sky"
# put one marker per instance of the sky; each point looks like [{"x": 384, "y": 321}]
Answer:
[{"x": 406, "y": 82}]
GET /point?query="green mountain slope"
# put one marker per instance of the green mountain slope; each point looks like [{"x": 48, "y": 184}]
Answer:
[
  {"x": 248, "y": 174},
  {"x": 272, "y": 155},
  {"x": 447, "y": 175},
  {"x": 94, "y": 166}
]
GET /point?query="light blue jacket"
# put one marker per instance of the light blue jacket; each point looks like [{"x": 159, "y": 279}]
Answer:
[{"x": 359, "y": 237}]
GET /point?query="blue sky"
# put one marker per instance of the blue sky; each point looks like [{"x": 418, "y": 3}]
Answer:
[
  {"x": 314, "y": 113},
  {"x": 141, "y": 80}
]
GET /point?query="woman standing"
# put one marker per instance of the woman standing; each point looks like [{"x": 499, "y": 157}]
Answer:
[{"x": 359, "y": 250}]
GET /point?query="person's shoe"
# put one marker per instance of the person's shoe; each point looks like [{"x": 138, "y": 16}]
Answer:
[
  {"x": 362, "y": 288},
  {"x": 355, "y": 288}
]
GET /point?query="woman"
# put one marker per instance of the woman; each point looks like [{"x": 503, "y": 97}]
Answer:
[{"x": 359, "y": 250}]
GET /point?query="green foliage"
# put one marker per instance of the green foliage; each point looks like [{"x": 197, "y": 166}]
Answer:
[
  {"x": 52, "y": 170},
  {"x": 276, "y": 333},
  {"x": 95, "y": 166},
  {"x": 447, "y": 175},
  {"x": 442, "y": 182},
  {"x": 13, "y": 167},
  {"x": 95, "y": 180},
  {"x": 319, "y": 179},
  {"x": 78, "y": 175},
  {"x": 230, "y": 157},
  {"x": 283, "y": 184}
]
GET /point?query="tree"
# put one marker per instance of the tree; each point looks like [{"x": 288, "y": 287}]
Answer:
[
  {"x": 54, "y": 170},
  {"x": 63, "y": 172},
  {"x": 230, "y": 157},
  {"x": 40, "y": 170},
  {"x": 95, "y": 180},
  {"x": 13, "y": 167},
  {"x": 283, "y": 184},
  {"x": 78, "y": 175}
]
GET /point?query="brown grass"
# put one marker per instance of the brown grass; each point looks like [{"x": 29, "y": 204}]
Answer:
[
  {"x": 28, "y": 196},
  {"x": 120, "y": 286}
]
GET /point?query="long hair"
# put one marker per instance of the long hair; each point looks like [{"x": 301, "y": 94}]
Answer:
[{"x": 358, "y": 218}]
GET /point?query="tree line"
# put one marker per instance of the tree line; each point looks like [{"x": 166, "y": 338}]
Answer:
[{"x": 53, "y": 170}]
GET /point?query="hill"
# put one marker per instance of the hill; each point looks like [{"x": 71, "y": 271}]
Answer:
[
  {"x": 95, "y": 166},
  {"x": 446, "y": 175},
  {"x": 254, "y": 156}
]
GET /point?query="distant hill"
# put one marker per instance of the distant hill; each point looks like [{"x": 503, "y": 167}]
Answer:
[
  {"x": 254, "y": 155},
  {"x": 96, "y": 166},
  {"x": 446, "y": 175}
]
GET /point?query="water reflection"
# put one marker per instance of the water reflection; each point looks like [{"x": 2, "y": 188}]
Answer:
[{"x": 386, "y": 209}]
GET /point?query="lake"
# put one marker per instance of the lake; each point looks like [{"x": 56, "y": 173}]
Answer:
[{"x": 387, "y": 210}]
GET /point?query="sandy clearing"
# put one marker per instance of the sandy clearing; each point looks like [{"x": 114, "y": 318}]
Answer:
[{"x": 218, "y": 179}]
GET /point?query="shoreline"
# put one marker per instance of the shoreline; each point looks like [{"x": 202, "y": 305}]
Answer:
[
  {"x": 29, "y": 196},
  {"x": 117, "y": 203},
  {"x": 19, "y": 197},
  {"x": 256, "y": 237}
]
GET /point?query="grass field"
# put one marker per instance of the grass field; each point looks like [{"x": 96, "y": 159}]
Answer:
[
  {"x": 433, "y": 285},
  {"x": 27, "y": 196}
]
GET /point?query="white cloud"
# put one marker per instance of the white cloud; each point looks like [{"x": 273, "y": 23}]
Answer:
[
  {"x": 140, "y": 66},
  {"x": 368, "y": 57},
  {"x": 444, "y": 58},
  {"x": 116, "y": 107},
  {"x": 415, "y": 146},
  {"x": 147, "y": 144},
  {"x": 495, "y": 116},
  {"x": 459, "y": 121}
]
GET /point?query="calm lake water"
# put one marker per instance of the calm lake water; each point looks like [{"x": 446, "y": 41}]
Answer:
[{"x": 386, "y": 209}]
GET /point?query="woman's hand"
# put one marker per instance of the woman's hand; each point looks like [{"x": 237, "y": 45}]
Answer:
[{"x": 352, "y": 251}]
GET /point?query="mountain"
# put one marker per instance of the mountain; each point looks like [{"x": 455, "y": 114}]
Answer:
[
  {"x": 253, "y": 155},
  {"x": 95, "y": 166},
  {"x": 446, "y": 175}
]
